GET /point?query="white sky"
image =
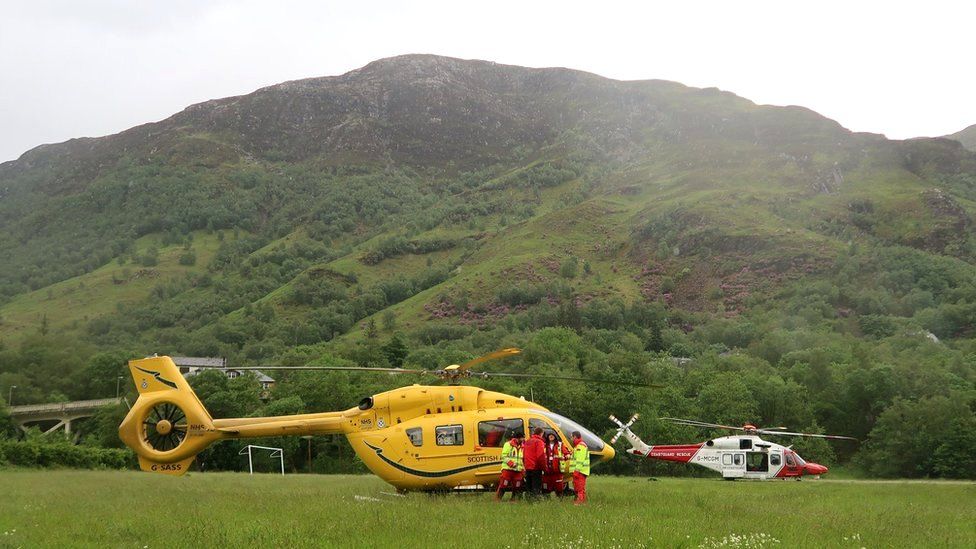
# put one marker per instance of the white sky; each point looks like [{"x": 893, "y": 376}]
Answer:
[{"x": 71, "y": 68}]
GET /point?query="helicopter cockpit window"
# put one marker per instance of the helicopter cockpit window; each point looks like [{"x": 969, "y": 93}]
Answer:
[
  {"x": 546, "y": 428},
  {"x": 449, "y": 435},
  {"x": 790, "y": 461},
  {"x": 567, "y": 426},
  {"x": 416, "y": 436},
  {"x": 494, "y": 433}
]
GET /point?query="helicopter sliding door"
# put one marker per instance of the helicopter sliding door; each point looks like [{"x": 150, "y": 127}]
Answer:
[
  {"x": 733, "y": 464},
  {"x": 757, "y": 464}
]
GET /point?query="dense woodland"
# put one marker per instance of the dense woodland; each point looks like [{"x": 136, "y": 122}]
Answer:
[{"x": 823, "y": 281}]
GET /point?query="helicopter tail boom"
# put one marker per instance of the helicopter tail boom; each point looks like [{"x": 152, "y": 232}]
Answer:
[{"x": 168, "y": 425}]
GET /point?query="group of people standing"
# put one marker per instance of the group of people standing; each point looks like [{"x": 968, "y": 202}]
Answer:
[{"x": 539, "y": 465}]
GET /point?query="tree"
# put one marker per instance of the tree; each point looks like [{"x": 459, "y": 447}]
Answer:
[
  {"x": 100, "y": 376},
  {"x": 150, "y": 258},
  {"x": 370, "y": 330},
  {"x": 655, "y": 342},
  {"x": 929, "y": 437},
  {"x": 395, "y": 351},
  {"x": 568, "y": 268},
  {"x": 7, "y": 427},
  {"x": 389, "y": 320},
  {"x": 726, "y": 399},
  {"x": 189, "y": 257},
  {"x": 569, "y": 315}
]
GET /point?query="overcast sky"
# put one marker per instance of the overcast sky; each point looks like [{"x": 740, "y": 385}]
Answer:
[{"x": 94, "y": 67}]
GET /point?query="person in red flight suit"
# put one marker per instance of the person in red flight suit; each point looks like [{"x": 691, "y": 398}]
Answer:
[
  {"x": 494, "y": 437},
  {"x": 512, "y": 470},
  {"x": 580, "y": 467},
  {"x": 557, "y": 454},
  {"x": 534, "y": 455}
]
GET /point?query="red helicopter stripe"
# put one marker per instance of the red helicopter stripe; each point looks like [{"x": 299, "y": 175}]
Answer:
[{"x": 674, "y": 452}]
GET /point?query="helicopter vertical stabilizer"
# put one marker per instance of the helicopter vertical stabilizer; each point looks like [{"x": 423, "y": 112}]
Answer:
[
  {"x": 638, "y": 446},
  {"x": 168, "y": 425}
]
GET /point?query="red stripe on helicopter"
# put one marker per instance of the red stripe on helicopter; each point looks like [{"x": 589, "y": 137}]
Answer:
[{"x": 676, "y": 452}]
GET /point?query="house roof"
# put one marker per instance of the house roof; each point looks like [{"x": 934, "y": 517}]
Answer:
[{"x": 262, "y": 377}]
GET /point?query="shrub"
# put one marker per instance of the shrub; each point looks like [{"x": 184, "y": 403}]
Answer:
[
  {"x": 34, "y": 453},
  {"x": 188, "y": 257},
  {"x": 568, "y": 268}
]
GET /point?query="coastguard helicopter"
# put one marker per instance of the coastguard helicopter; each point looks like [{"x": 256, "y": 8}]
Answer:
[
  {"x": 743, "y": 456},
  {"x": 419, "y": 437}
]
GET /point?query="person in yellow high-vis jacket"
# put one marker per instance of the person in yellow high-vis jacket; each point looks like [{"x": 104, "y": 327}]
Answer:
[
  {"x": 513, "y": 470},
  {"x": 581, "y": 467}
]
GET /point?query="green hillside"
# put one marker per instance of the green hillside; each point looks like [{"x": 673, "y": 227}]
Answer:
[
  {"x": 966, "y": 136},
  {"x": 816, "y": 277}
]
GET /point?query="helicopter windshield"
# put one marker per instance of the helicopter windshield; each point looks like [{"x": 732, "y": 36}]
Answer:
[{"x": 567, "y": 426}]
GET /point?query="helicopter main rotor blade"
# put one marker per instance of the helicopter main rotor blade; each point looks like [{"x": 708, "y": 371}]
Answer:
[
  {"x": 812, "y": 435},
  {"x": 487, "y": 375},
  {"x": 693, "y": 423},
  {"x": 490, "y": 356},
  {"x": 327, "y": 368}
]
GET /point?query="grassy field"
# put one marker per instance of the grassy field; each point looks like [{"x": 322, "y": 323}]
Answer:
[{"x": 129, "y": 509}]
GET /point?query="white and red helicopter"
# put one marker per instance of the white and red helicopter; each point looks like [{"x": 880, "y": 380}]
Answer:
[{"x": 737, "y": 456}]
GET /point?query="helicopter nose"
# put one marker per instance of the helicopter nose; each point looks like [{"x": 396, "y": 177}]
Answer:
[
  {"x": 814, "y": 469},
  {"x": 606, "y": 454}
]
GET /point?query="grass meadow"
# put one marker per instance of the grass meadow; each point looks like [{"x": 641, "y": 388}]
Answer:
[{"x": 130, "y": 509}]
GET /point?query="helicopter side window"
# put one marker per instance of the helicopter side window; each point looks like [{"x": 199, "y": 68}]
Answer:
[
  {"x": 774, "y": 460},
  {"x": 416, "y": 436},
  {"x": 745, "y": 444},
  {"x": 449, "y": 435},
  {"x": 726, "y": 459},
  {"x": 737, "y": 459},
  {"x": 790, "y": 461},
  {"x": 494, "y": 433}
]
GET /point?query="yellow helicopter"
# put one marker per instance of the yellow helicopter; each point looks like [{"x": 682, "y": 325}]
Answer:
[{"x": 419, "y": 437}]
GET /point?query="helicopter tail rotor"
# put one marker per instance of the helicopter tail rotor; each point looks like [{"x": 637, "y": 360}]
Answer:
[
  {"x": 638, "y": 446},
  {"x": 623, "y": 427},
  {"x": 167, "y": 425}
]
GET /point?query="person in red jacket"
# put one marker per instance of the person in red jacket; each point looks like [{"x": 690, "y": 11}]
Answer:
[
  {"x": 553, "y": 478},
  {"x": 534, "y": 455}
]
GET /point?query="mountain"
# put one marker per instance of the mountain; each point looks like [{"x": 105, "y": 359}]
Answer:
[
  {"x": 965, "y": 136},
  {"x": 499, "y": 170},
  {"x": 466, "y": 205}
]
